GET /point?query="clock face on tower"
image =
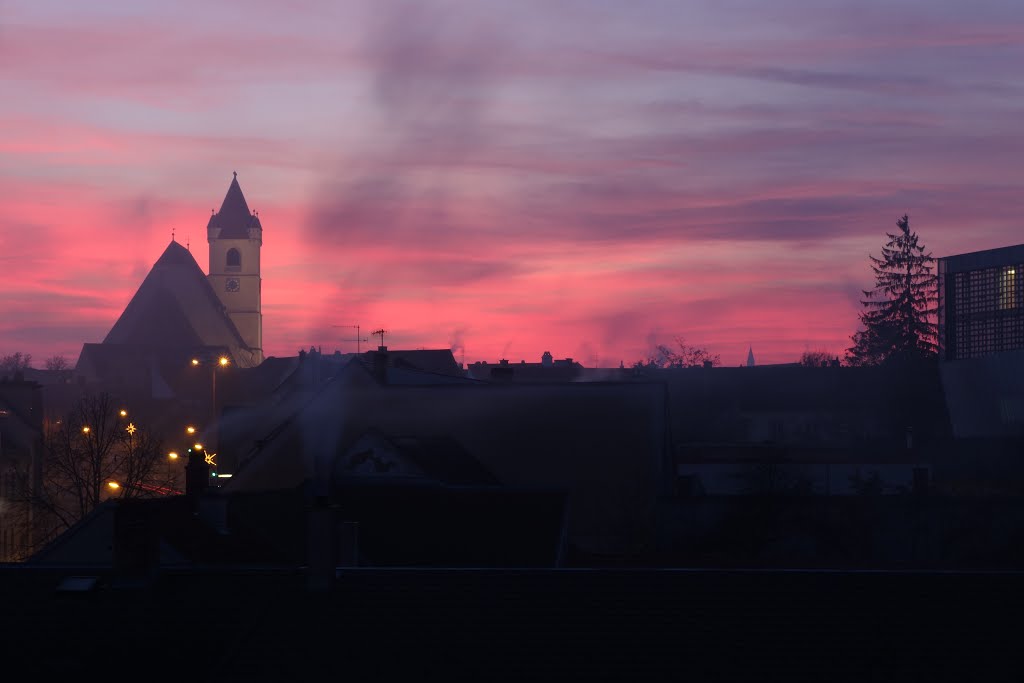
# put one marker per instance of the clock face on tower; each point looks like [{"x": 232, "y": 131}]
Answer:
[{"x": 231, "y": 284}]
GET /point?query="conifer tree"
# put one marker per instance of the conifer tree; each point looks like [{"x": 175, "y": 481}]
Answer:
[{"x": 898, "y": 317}]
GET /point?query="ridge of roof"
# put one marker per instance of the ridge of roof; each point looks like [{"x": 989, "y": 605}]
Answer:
[{"x": 175, "y": 254}]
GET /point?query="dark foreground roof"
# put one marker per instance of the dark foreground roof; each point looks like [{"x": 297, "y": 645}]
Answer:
[{"x": 628, "y": 625}]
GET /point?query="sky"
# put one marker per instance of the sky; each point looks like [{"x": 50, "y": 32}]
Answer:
[{"x": 505, "y": 177}]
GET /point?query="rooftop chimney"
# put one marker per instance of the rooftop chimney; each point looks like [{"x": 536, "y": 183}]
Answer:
[
  {"x": 197, "y": 475},
  {"x": 380, "y": 364}
]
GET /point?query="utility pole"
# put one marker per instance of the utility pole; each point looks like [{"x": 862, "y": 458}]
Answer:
[
  {"x": 359, "y": 337},
  {"x": 381, "y": 332}
]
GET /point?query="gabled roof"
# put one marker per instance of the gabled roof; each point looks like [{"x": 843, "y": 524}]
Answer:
[
  {"x": 176, "y": 307},
  {"x": 234, "y": 218}
]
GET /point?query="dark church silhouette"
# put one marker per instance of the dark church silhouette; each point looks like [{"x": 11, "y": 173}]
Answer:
[{"x": 180, "y": 313}]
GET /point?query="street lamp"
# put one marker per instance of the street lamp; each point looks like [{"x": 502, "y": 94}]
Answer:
[
  {"x": 172, "y": 457},
  {"x": 221, "y": 362}
]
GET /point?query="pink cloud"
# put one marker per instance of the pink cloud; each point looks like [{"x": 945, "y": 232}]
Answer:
[{"x": 515, "y": 186}]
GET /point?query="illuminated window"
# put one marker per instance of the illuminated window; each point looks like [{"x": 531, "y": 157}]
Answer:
[
  {"x": 234, "y": 260},
  {"x": 1008, "y": 287}
]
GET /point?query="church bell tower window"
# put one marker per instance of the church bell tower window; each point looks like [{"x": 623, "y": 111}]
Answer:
[{"x": 234, "y": 261}]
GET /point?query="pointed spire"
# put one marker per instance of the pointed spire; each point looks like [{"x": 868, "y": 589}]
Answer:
[
  {"x": 234, "y": 218},
  {"x": 750, "y": 356}
]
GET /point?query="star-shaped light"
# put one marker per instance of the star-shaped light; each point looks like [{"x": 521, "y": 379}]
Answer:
[
  {"x": 131, "y": 428},
  {"x": 210, "y": 458}
]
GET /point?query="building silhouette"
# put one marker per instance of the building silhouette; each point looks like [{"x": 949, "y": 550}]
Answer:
[
  {"x": 981, "y": 341},
  {"x": 179, "y": 312},
  {"x": 981, "y": 302}
]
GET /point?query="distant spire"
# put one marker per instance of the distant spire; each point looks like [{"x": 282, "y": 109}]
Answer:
[
  {"x": 172, "y": 234},
  {"x": 750, "y": 356}
]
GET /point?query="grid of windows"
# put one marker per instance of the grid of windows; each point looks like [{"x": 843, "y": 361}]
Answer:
[{"x": 983, "y": 311}]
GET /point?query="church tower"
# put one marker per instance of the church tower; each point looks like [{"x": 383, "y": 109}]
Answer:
[{"x": 235, "y": 236}]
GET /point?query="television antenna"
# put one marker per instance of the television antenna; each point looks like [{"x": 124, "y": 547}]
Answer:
[
  {"x": 380, "y": 332},
  {"x": 359, "y": 337}
]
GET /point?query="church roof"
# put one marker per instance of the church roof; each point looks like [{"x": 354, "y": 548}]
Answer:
[
  {"x": 234, "y": 218},
  {"x": 176, "y": 307}
]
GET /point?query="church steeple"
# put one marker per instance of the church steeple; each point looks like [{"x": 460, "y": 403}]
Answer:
[
  {"x": 234, "y": 220},
  {"x": 750, "y": 356},
  {"x": 236, "y": 236}
]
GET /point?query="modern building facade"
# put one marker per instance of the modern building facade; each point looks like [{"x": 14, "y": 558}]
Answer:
[
  {"x": 981, "y": 303},
  {"x": 981, "y": 341}
]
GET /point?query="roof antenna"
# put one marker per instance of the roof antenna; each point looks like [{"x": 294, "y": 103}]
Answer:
[
  {"x": 172, "y": 234},
  {"x": 359, "y": 337},
  {"x": 234, "y": 174}
]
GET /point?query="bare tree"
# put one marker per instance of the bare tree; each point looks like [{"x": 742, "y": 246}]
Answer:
[
  {"x": 817, "y": 359},
  {"x": 685, "y": 355},
  {"x": 91, "y": 455},
  {"x": 57, "y": 364},
  {"x": 14, "y": 363}
]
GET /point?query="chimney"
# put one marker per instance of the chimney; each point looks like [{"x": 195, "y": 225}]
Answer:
[
  {"x": 321, "y": 562},
  {"x": 330, "y": 543},
  {"x": 380, "y": 364},
  {"x": 136, "y": 545},
  {"x": 197, "y": 476}
]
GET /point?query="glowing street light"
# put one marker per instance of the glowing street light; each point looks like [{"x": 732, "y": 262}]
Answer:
[
  {"x": 86, "y": 430},
  {"x": 198, "y": 446},
  {"x": 221, "y": 362},
  {"x": 124, "y": 413},
  {"x": 190, "y": 429},
  {"x": 172, "y": 455},
  {"x": 113, "y": 485}
]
